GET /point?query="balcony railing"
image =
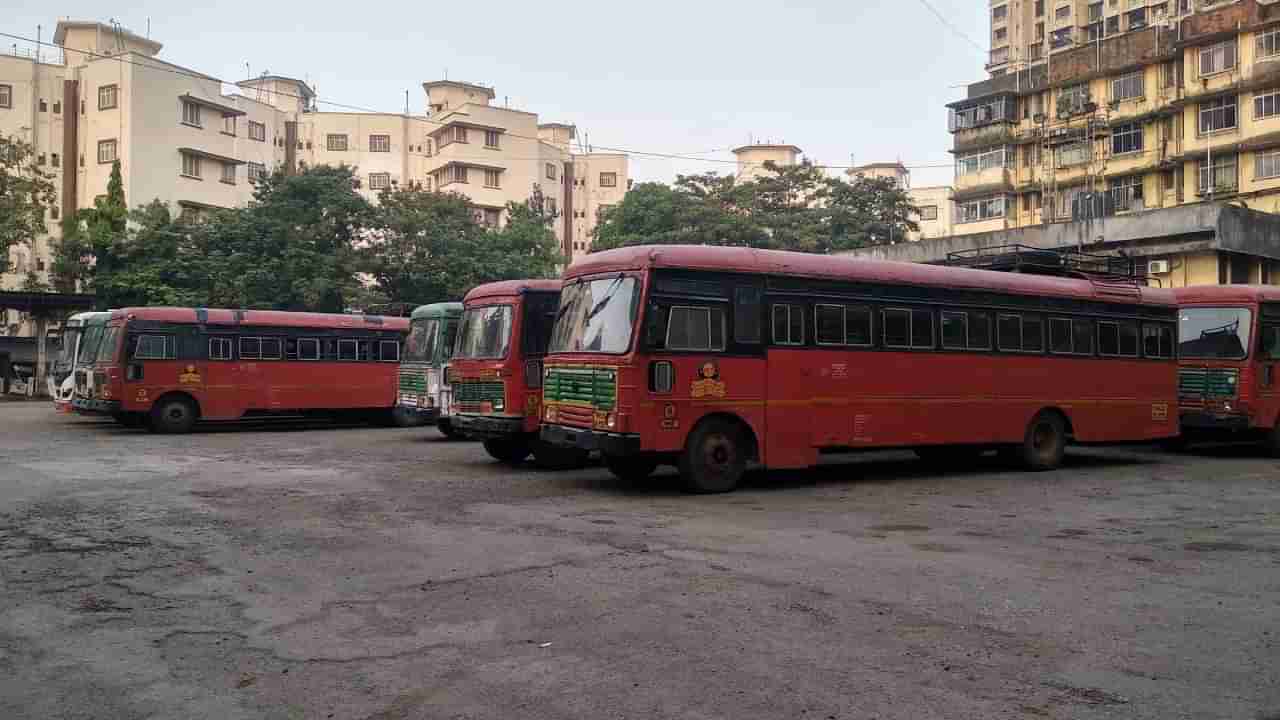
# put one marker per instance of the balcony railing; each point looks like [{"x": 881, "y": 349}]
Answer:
[
  {"x": 1036, "y": 52},
  {"x": 999, "y": 56},
  {"x": 1002, "y": 109}
]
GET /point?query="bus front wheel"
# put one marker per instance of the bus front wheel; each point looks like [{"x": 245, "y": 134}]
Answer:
[
  {"x": 511, "y": 451},
  {"x": 714, "y": 457},
  {"x": 173, "y": 415},
  {"x": 1045, "y": 442}
]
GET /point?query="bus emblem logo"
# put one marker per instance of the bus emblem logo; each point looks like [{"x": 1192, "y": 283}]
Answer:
[
  {"x": 708, "y": 383},
  {"x": 190, "y": 377},
  {"x": 1160, "y": 411}
]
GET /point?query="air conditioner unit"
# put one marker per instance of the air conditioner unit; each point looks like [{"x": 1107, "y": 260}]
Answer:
[{"x": 1157, "y": 267}]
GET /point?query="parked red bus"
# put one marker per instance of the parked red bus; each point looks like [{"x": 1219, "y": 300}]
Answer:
[
  {"x": 168, "y": 367},
  {"x": 1228, "y": 352},
  {"x": 496, "y": 371},
  {"x": 710, "y": 357}
]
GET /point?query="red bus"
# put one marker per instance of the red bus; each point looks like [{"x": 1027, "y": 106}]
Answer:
[
  {"x": 1228, "y": 352},
  {"x": 709, "y": 357},
  {"x": 167, "y": 367},
  {"x": 496, "y": 371}
]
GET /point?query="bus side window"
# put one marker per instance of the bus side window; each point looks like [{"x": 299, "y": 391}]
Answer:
[
  {"x": 698, "y": 329},
  {"x": 270, "y": 348},
  {"x": 347, "y": 350},
  {"x": 308, "y": 349},
  {"x": 747, "y": 304},
  {"x": 250, "y": 348},
  {"x": 365, "y": 353},
  {"x": 450, "y": 337},
  {"x": 788, "y": 325},
  {"x": 388, "y": 351},
  {"x": 290, "y": 348},
  {"x": 154, "y": 347},
  {"x": 330, "y": 350},
  {"x": 221, "y": 348},
  {"x": 1271, "y": 342},
  {"x": 1157, "y": 341}
]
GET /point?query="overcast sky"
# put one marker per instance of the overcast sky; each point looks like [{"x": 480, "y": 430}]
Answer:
[{"x": 836, "y": 77}]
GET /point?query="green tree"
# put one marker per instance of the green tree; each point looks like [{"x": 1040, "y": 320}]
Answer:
[
  {"x": 92, "y": 240},
  {"x": 525, "y": 247},
  {"x": 26, "y": 193},
  {"x": 421, "y": 247}
]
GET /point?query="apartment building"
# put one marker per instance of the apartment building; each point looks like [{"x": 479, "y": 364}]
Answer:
[
  {"x": 1183, "y": 112},
  {"x": 192, "y": 142},
  {"x": 751, "y": 158},
  {"x": 1026, "y": 33}
]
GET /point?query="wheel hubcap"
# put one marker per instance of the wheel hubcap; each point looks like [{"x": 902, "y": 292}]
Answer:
[
  {"x": 718, "y": 453},
  {"x": 1042, "y": 438}
]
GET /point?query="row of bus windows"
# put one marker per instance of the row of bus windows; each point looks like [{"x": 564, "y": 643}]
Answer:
[
  {"x": 702, "y": 329},
  {"x": 164, "y": 347}
]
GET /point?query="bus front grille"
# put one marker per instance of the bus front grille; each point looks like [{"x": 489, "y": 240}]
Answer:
[
  {"x": 589, "y": 388},
  {"x": 473, "y": 392},
  {"x": 1208, "y": 382}
]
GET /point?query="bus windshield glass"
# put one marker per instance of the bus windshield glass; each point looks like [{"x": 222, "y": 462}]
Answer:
[
  {"x": 67, "y": 351},
  {"x": 107, "y": 346},
  {"x": 450, "y": 337},
  {"x": 485, "y": 333},
  {"x": 1214, "y": 333},
  {"x": 596, "y": 316},
  {"x": 89, "y": 344},
  {"x": 421, "y": 345}
]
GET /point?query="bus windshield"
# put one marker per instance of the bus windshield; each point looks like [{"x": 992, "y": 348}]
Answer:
[
  {"x": 596, "y": 316},
  {"x": 107, "y": 345},
  {"x": 421, "y": 345},
  {"x": 1208, "y": 333},
  {"x": 485, "y": 333},
  {"x": 450, "y": 337},
  {"x": 89, "y": 344},
  {"x": 67, "y": 350}
]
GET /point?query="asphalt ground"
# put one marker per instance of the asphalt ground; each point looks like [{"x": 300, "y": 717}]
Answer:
[{"x": 312, "y": 571}]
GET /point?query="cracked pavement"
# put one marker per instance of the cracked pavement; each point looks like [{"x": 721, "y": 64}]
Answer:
[{"x": 299, "y": 571}]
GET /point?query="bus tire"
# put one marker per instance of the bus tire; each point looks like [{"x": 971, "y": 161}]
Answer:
[
  {"x": 447, "y": 429},
  {"x": 714, "y": 457},
  {"x": 1272, "y": 442},
  {"x": 635, "y": 468},
  {"x": 1045, "y": 442},
  {"x": 173, "y": 415},
  {"x": 511, "y": 451},
  {"x": 550, "y": 457}
]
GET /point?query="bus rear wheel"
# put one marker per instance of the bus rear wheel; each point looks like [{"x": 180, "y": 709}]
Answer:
[
  {"x": 173, "y": 416},
  {"x": 631, "y": 469},
  {"x": 1045, "y": 442},
  {"x": 511, "y": 451},
  {"x": 714, "y": 457}
]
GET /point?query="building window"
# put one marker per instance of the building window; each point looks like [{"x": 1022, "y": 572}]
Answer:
[
  {"x": 1218, "y": 176},
  {"x": 1266, "y": 165},
  {"x": 456, "y": 173},
  {"x": 336, "y": 142},
  {"x": 928, "y": 212},
  {"x": 492, "y": 178},
  {"x": 228, "y": 173},
  {"x": 608, "y": 179},
  {"x": 460, "y": 134},
  {"x": 379, "y": 181},
  {"x": 108, "y": 97},
  {"x": 1062, "y": 13},
  {"x": 551, "y": 207},
  {"x": 1095, "y": 11},
  {"x": 1128, "y": 87},
  {"x": 980, "y": 210},
  {"x": 1217, "y": 115},
  {"x": 999, "y": 14},
  {"x": 54, "y": 160},
  {"x": 229, "y": 125},
  {"x": 191, "y": 114},
  {"x": 6, "y": 96},
  {"x": 1137, "y": 19},
  {"x": 191, "y": 166},
  {"x": 1039, "y": 8},
  {"x": 1073, "y": 153},
  {"x": 983, "y": 160},
  {"x": 1218, "y": 58},
  {"x": 491, "y": 217},
  {"x": 1126, "y": 139},
  {"x": 1000, "y": 34},
  {"x": 1269, "y": 44},
  {"x": 1125, "y": 191},
  {"x": 256, "y": 171},
  {"x": 379, "y": 143},
  {"x": 107, "y": 151},
  {"x": 1266, "y": 105},
  {"x": 491, "y": 138},
  {"x": 551, "y": 171},
  {"x": 257, "y": 131}
]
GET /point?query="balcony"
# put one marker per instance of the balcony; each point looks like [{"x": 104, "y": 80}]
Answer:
[
  {"x": 1060, "y": 39},
  {"x": 998, "y": 57},
  {"x": 980, "y": 114},
  {"x": 1035, "y": 53}
]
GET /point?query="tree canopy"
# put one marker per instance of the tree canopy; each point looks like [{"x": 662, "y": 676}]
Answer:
[
  {"x": 26, "y": 194},
  {"x": 791, "y": 207}
]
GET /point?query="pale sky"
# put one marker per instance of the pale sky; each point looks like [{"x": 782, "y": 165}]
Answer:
[{"x": 837, "y": 78}]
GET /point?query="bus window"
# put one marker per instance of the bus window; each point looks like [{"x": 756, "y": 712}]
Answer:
[
  {"x": 788, "y": 325},
  {"x": 250, "y": 348},
  {"x": 107, "y": 347},
  {"x": 979, "y": 331},
  {"x": 747, "y": 302},
  {"x": 695, "y": 329},
  {"x": 365, "y": 350},
  {"x": 450, "y": 338},
  {"x": 1082, "y": 336},
  {"x": 308, "y": 349},
  {"x": 829, "y": 328},
  {"x": 922, "y": 329},
  {"x": 897, "y": 328},
  {"x": 857, "y": 326},
  {"x": 1060, "y": 336},
  {"x": 955, "y": 330},
  {"x": 1118, "y": 339},
  {"x": 270, "y": 348},
  {"x": 1032, "y": 333},
  {"x": 220, "y": 349},
  {"x": 154, "y": 347},
  {"x": 1271, "y": 342},
  {"x": 389, "y": 351},
  {"x": 347, "y": 350},
  {"x": 1157, "y": 340}
]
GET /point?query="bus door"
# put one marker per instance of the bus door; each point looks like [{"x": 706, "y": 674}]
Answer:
[
  {"x": 1269, "y": 369},
  {"x": 792, "y": 385},
  {"x": 219, "y": 373}
]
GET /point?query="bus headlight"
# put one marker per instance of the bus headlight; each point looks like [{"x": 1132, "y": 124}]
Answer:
[
  {"x": 499, "y": 405},
  {"x": 611, "y": 421},
  {"x": 550, "y": 414}
]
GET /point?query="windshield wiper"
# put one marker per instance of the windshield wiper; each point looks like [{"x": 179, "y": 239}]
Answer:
[{"x": 609, "y": 293}]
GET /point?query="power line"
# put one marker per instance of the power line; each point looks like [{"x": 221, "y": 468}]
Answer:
[
  {"x": 960, "y": 34},
  {"x": 163, "y": 66}
]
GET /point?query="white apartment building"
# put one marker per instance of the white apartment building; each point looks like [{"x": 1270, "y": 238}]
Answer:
[{"x": 196, "y": 144}]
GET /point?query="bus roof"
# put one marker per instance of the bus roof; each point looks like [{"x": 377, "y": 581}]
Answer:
[
  {"x": 277, "y": 318},
  {"x": 1203, "y": 294},
  {"x": 843, "y": 267},
  {"x": 504, "y": 288},
  {"x": 437, "y": 310},
  {"x": 86, "y": 318}
]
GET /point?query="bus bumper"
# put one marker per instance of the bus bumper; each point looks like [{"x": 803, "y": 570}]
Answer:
[
  {"x": 87, "y": 406},
  {"x": 1215, "y": 422},
  {"x": 488, "y": 427},
  {"x": 611, "y": 444},
  {"x": 428, "y": 415}
]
